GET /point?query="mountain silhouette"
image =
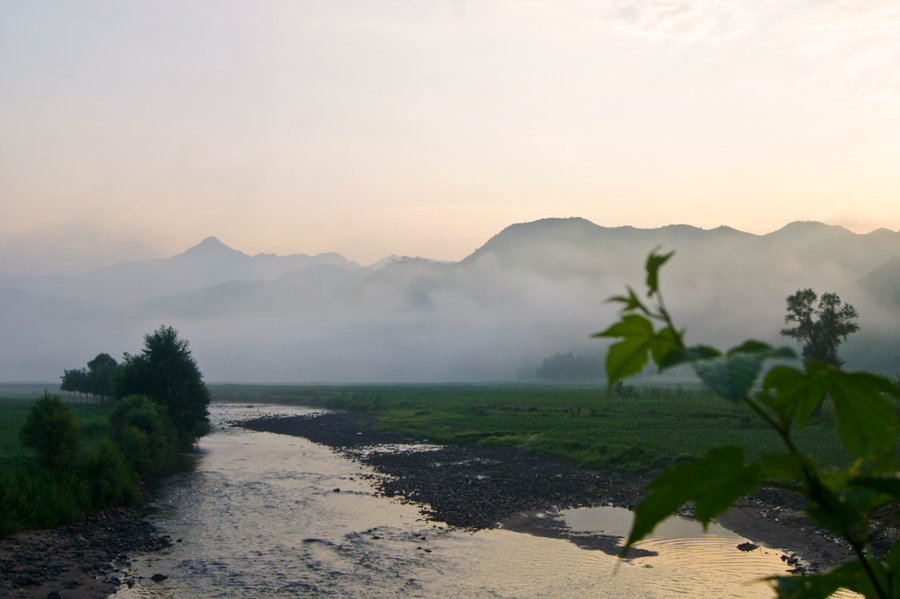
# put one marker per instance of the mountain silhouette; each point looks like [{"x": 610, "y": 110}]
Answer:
[{"x": 531, "y": 290}]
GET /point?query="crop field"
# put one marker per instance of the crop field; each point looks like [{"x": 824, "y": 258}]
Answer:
[{"x": 628, "y": 427}]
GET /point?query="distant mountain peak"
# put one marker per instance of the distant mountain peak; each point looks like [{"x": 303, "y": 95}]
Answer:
[{"x": 210, "y": 246}]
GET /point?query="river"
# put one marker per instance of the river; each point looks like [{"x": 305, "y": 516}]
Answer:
[{"x": 264, "y": 515}]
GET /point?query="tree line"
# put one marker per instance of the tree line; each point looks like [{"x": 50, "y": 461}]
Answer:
[
  {"x": 160, "y": 407},
  {"x": 164, "y": 371}
]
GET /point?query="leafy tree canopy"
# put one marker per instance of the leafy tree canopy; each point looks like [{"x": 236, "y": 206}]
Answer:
[
  {"x": 166, "y": 372},
  {"x": 50, "y": 429},
  {"x": 821, "y": 329}
]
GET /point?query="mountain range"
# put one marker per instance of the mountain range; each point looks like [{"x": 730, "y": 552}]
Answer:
[{"x": 531, "y": 290}]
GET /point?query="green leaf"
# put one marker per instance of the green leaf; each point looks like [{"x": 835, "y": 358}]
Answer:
[
  {"x": 893, "y": 561},
  {"x": 629, "y": 356},
  {"x": 713, "y": 482},
  {"x": 654, "y": 262},
  {"x": 733, "y": 375},
  {"x": 667, "y": 341},
  {"x": 865, "y": 419},
  {"x": 819, "y": 586},
  {"x": 680, "y": 356},
  {"x": 889, "y": 485},
  {"x": 831, "y": 509},
  {"x": 791, "y": 393},
  {"x": 784, "y": 465}
]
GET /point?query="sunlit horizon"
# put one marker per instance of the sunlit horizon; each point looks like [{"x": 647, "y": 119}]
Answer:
[{"x": 132, "y": 131}]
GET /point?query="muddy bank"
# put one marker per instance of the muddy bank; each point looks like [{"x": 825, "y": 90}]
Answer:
[
  {"x": 476, "y": 487},
  {"x": 84, "y": 560}
]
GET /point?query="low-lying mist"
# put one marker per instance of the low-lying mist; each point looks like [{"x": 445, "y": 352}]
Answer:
[{"x": 533, "y": 290}]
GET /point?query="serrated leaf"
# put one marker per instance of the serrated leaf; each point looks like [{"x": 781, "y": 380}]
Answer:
[
  {"x": 791, "y": 392},
  {"x": 654, "y": 262},
  {"x": 680, "y": 356},
  {"x": 733, "y": 375},
  {"x": 631, "y": 354},
  {"x": 819, "y": 586},
  {"x": 713, "y": 482},
  {"x": 866, "y": 420},
  {"x": 753, "y": 346}
]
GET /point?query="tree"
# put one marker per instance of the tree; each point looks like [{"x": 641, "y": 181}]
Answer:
[
  {"x": 820, "y": 330},
  {"x": 166, "y": 372},
  {"x": 96, "y": 380},
  {"x": 50, "y": 429},
  {"x": 845, "y": 501},
  {"x": 101, "y": 374}
]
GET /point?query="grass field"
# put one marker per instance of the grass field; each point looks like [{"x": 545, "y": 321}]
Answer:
[{"x": 629, "y": 428}]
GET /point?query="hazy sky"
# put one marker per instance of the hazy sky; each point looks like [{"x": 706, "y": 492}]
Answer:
[{"x": 422, "y": 127}]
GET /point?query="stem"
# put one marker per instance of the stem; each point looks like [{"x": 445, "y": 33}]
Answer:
[
  {"x": 812, "y": 481},
  {"x": 858, "y": 550}
]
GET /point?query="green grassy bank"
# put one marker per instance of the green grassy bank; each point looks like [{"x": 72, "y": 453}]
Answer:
[{"x": 628, "y": 428}]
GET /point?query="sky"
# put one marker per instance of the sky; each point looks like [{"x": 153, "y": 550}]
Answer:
[{"x": 134, "y": 129}]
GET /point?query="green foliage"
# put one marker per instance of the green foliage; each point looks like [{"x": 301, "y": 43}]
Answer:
[
  {"x": 820, "y": 330},
  {"x": 144, "y": 433},
  {"x": 97, "y": 379},
  {"x": 34, "y": 495},
  {"x": 166, "y": 372},
  {"x": 865, "y": 416},
  {"x": 51, "y": 431}
]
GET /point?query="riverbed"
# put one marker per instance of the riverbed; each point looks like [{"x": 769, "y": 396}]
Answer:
[{"x": 265, "y": 515}]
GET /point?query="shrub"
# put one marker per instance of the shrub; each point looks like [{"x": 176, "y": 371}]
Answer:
[
  {"x": 50, "y": 429},
  {"x": 144, "y": 433}
]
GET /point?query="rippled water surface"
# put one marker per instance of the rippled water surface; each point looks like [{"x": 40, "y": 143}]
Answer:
[{"x": 265, "y": 515}]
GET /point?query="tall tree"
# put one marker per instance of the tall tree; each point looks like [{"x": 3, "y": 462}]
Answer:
[
  {"x": 166, "y": 372},
  {"x": 819, "y": 329},
  {"x": 101, "y": 374}
]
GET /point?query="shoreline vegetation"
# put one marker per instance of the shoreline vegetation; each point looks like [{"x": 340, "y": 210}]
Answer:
[{"x": 60, "y": 459}]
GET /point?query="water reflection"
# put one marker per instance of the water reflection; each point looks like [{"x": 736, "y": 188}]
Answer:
[{"x": 265, "y": 515}]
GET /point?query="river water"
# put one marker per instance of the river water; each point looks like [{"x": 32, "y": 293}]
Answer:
[{"x": 266, "y": 515}]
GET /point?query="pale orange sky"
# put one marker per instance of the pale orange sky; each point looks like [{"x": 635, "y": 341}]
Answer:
[{"x": 130, "y": 131}]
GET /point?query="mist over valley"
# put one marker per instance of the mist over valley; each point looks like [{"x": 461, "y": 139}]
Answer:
[{"x": 530, "y": 291}]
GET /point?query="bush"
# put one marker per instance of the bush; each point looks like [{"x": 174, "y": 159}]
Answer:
[
  {"x": 144, "y": 433},
  {"x": 103, "y": 477},
  {"x": 50, "y": 429}
]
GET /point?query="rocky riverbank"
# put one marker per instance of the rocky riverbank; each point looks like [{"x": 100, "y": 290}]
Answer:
[
  {"x": 476, "y": 487},
  {"x": 87, "y": 559}
]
